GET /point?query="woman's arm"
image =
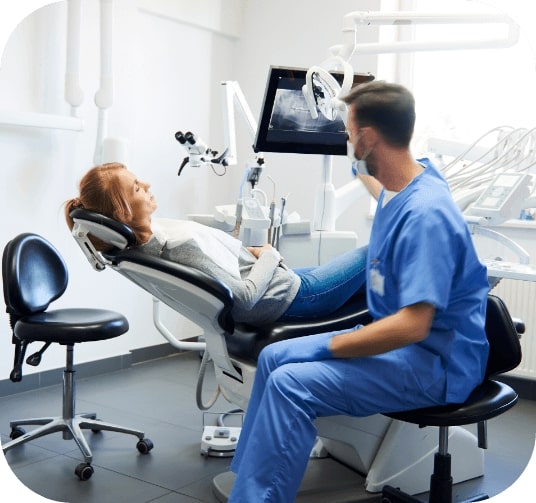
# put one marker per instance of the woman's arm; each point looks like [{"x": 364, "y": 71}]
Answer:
[
  {"x": 246, "y": 292},
  {"x": 254, "y": 286}
]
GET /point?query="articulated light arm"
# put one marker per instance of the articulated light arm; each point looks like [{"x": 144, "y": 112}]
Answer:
[
  {"x": 233, "y": 96},
  {"x": 355, "y": 20}
]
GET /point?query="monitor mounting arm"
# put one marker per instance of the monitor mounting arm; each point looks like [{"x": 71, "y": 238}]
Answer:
[{"x": 233, "y": 96}]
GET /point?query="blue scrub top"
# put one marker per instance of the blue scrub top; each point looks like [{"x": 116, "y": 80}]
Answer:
[{"x": 421, "y": 250}]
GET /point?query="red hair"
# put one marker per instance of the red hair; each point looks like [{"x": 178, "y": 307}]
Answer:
[{"x": 101, "y": 191}]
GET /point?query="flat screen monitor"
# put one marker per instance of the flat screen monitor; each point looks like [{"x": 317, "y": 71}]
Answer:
[{"x": 286, "y": 124}]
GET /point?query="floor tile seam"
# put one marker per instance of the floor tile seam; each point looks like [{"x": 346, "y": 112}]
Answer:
[
  {"x": 193, "y": 498},
  {"x": 95, "y": 464}
]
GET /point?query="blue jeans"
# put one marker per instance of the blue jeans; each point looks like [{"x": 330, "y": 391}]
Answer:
[{"x": 327, "y": 287}]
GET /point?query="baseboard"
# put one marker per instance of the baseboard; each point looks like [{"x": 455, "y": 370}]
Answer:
[
  {"x": 525, "y": 388},
  {"x": 55, "y": 376}
]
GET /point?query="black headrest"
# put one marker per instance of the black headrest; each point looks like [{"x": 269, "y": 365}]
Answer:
[{"x": 105, "y": 228}]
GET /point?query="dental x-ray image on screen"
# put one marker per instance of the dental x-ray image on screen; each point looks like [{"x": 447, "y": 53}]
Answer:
[{"x": 286, "y": 124}]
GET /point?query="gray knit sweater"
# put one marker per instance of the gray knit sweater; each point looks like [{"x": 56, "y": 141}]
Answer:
[{"x": 262, "y": 295}]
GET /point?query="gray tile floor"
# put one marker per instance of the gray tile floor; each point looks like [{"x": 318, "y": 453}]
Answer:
[{"x": 159, "y": 398}]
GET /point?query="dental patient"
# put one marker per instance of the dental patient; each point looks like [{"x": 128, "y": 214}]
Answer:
[{"x": 264, "y": 289}]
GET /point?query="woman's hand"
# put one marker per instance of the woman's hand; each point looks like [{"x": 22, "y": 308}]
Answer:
[{"x": 257, "y": 250}]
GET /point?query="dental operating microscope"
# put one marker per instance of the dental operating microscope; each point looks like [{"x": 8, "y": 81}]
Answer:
[
  {"x": 253, "y": 218},
  {"x": 199, "y": 153}
]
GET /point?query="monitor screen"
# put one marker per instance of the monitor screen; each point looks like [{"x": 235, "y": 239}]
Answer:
[{"x": 286, "y": 124}]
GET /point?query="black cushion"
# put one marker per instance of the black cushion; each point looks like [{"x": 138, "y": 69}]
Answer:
[
  {"x": 503, "y": 338},
  {"x": 106, "y": 222},
  {"x": 247, "y": 341},
  {"x": 486, "y": 401},
  {"x": 34, "y": 274},
  {"x": 70, "y": 326}
]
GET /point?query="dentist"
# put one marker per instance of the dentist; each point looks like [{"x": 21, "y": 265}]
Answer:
[{"x": 426, "y": 291}]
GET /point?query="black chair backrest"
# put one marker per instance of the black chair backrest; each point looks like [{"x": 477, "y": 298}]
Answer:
[
  {"x": 34, "y": 274},
  {"x": 505, "y": 349}
]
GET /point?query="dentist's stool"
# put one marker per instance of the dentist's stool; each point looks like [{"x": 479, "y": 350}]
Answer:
[
  {"x": 488, "y": 400},
  {"x": 34, "y": 275}
]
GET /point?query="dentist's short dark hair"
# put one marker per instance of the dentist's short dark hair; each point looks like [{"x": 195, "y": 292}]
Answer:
[{"x": 388, "y": 107}]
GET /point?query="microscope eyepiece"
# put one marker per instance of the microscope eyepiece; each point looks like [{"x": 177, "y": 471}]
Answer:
[
  {"x": 180, "y": 137},
  {"x": 190, "y": 138}
]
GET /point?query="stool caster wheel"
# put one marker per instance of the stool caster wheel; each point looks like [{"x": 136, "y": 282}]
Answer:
[
  {"x": 84, "y": 471},
  {"x": 144, "y": 445}
]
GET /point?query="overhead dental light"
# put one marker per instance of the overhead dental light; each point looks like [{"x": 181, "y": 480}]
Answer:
[{"x": 323, "y": 93}]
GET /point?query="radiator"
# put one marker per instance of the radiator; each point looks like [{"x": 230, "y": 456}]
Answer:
[{"x": 520, "y": 298}]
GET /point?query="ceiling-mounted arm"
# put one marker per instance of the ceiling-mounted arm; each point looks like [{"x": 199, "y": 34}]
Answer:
[
  {"x": 321, "y": 88},
  {"x": 359, "y": 19}
]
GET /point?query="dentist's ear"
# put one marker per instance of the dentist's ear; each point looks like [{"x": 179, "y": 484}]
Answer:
[{"x": 368, "y": 138}]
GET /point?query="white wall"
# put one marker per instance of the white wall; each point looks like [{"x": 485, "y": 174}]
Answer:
[
  {"x": 164, "y": 81},
  {"x": 168, "y": 67}
]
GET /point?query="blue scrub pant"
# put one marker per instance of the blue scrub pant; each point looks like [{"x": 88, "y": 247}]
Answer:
[{"x": 297, "y": 381}]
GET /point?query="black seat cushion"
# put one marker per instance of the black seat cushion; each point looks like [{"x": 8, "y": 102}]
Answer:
[
  {"x": 246, "y": 342},
  {"x": 70, "y": 326},
  {"x": 487, "y": 400}
]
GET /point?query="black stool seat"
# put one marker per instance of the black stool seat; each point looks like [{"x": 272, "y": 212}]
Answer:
[
  {"x": 488, "y": 400},
  {"x": 71, "y": 326}
]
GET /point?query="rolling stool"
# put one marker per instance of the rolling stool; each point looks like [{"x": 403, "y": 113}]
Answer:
[
  {"x": 34, "y": 275},
  {"x": 488, "y": 400}
]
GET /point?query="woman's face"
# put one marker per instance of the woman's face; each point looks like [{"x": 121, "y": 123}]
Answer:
[{"x": 141, "y": 200}]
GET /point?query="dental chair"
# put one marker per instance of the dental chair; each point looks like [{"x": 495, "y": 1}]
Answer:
[
  {"x": 34, "y": 275},
  {"x": 357, "y": 456}
]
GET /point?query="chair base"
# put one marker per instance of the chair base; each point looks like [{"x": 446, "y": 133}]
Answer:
[
  {"x": 71, "y": 424},
  {"x": 71, "y": 428},
  {"x": 394, "y": 495},
  {"x": 440, "y": 486}
]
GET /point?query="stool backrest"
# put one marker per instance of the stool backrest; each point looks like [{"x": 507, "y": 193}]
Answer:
[
  {"x": 505, "y": 349},
  {"x": 34, "y": 274}
]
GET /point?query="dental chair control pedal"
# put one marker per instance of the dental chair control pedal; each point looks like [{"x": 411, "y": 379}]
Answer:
[{"x": 219, "y": 441}]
